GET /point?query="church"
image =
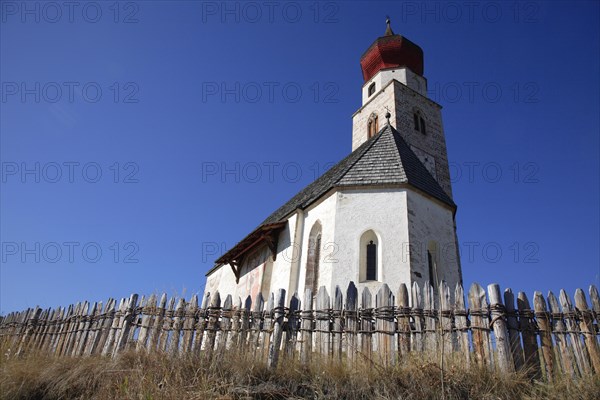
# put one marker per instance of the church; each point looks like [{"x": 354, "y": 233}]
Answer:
[{"x": 383, "y": 214}]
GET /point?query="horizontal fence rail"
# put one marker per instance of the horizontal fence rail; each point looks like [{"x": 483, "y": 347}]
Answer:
[{"x": 499, "y": 330}]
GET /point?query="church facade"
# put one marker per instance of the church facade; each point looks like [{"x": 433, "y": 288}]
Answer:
[{"x": 383, "y": 214}]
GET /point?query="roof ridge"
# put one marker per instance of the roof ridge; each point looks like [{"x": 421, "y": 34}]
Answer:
[{"x": 399, "y": 140}]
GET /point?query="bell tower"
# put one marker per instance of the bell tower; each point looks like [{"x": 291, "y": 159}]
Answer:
[{"x": 392, "y": 69}]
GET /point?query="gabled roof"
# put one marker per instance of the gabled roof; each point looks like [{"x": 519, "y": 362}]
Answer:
[{"x": 385, "y": 159}]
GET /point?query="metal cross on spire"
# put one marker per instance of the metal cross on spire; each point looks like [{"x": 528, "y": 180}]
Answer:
[{"x": 388, "y": 29}]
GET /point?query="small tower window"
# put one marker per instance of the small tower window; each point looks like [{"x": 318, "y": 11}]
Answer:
[
  {"x": 419, "y": 123},
  {"x": 372, "y": 126},
  {"x": 371, "y": 89}
]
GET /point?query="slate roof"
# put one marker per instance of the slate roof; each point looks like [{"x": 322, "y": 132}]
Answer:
[
  {"x": 386, "y": 158},
  {"x": 382, "y": 160}
]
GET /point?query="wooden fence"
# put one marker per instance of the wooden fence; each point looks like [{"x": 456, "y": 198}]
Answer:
[{"x": 553, "y": 338}]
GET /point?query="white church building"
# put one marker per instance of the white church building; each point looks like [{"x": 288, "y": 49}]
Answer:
[{"x": 383, "y": 214}]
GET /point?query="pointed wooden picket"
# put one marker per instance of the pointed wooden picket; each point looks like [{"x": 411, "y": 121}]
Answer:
[
  {"x": 323, "y": 318},
  {"x": 366, "y": 324},
  {"x": 545, "y": 331},
  {"x": 570, "y": 317},
  {"x": 565, "y": 354},
  {"x": 461, "y": 321},
  {"x": 417, "y": 342},
  {"x": 306, "y": 327},
  {"x": 385, "y": 325},
  {"x": 528, "y": 332},
  {"x": 351, "y": 319},
  {"x": 278, "y": 315},
  {"x": 338, "y": 324},
  {"x": 586, "y": 325},
  {"x": 403, "y": 316},
  {"x": 498, "y": 324},
  {"x": 513, "y": 329}
]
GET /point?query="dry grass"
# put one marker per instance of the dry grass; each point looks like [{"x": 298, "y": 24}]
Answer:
[{"x": 142, "y": 376}]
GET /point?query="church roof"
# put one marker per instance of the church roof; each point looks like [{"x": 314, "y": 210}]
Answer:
[{"x": 385, "y": 159}]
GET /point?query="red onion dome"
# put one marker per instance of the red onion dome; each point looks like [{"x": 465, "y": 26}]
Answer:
[{"x": 391, "y": 51}]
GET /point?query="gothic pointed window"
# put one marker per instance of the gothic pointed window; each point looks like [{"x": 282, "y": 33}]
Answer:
[
  {"x": 311, "y": 280},
  {"x": 371, "y": 261},
  {"x": 369, "y": 257},
  {"x": 371, "y": 89},
  {"x": 373, "y": 125}
]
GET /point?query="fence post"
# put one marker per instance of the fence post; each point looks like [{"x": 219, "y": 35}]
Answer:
[
  {"x": 565, "y": 355},
  {"x": 570, "y": 315},
  {"x": 338, "y": 324},
  {"x": 278, "y": 315},
  {"x": 202, "y": 322},
  {"x": 429, "y": 312},
  {"x": 225, "y": 326},
  {"x": 498, "y": 314},
  {"x": 95, "y": 325},
  {"x": 528, "y": 332},
  {"x": 53, "y": 332},
  {"x": 513, "y": 329},
  {"x": 107, "y": 320},
  {"x": 417, "y": 314},
  {"x": 307, "y": 327},
  {"x": 291, "y": 332},
  {"x": 351, "y": 317},
  {"x": 255, "y": 326},
  {"x": 479, "y": 324},
  {"x": 462, "y": 327},
  {"x": 323, "y": 318},
  {"x": 236, "y": 320},
  {"x": 595, "y": 297},
  {"x": 126, "y": 323},
  {"x": 265, "y": 333},
  {"x": 403, "y": 316},
  {"x": 543, "y": 321},
  {"x": 448, "y": 337},
  {"x": 177, "y": 324},
  {"x": 366, "y": 324},
  {"x": 244, "y": 341},
  {"x": 214, "y": 312},
  {"x": 85, "y": 334},
  {"x": 386, "y": 326},
  {"x": 587, "y": 328},
  {"x": 149, "y": 309},
  {"x": 110, "y": 338}
]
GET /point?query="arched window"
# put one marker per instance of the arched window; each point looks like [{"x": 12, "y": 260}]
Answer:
[
  {"x": 370, "y": 263},
  {"x": 371, "y": 89},
  {"x": 373, "y": 125},
  {"x": 419, "y": 122},
  {"x": 311, "y": 280}
]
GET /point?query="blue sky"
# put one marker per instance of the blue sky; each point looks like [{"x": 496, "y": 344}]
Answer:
[{"x": 141, "y": 139}]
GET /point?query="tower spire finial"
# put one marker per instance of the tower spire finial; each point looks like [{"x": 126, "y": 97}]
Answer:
[{"x": 388, "y": 29}]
